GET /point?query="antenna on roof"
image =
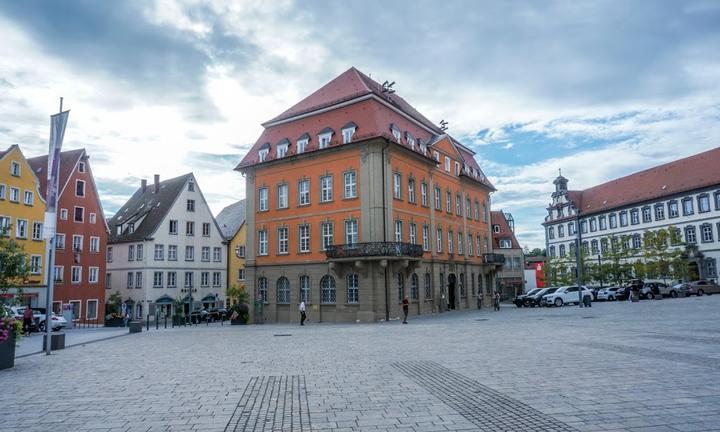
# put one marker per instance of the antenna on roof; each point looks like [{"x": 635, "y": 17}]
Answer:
[
  {"x": 559, "y": 172},
  {"x": 443, "y": 125},
  {"x": 387, "y": 87}
]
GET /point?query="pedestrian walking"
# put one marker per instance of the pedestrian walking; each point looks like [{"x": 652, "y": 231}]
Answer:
[
  {"x": 301, "y": 308},
  {"x": 496, "y": 301},
  {"x": 406, "y": 307},
  {"x": 480, "y": 299},
  {"x": 27, "y": 320}
]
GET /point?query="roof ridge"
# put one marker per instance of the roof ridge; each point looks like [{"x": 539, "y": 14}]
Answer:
[{"x": 362, "y": 77}]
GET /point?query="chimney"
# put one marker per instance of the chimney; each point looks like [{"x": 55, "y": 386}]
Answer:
[
  {"x": 157, "y": 183},
  {"x": 143, "y": 185}
]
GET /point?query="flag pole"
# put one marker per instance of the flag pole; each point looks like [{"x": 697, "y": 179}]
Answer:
[{"x": 57, "y": 132}]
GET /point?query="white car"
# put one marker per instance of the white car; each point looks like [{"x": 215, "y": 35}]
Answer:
[
  {"x": 607, "y": 293},
  {"x": 58, "y": 322},
  {"x": 563, "y": 295}
]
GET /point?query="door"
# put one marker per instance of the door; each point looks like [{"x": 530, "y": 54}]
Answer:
[
  {"x": 571, "y": 295},
  {"x": 451, "y": 291}
]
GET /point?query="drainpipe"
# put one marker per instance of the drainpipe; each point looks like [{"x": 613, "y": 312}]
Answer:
[
  {"x": 578, "y": 259},
  {"x": 384, "y": 193}
]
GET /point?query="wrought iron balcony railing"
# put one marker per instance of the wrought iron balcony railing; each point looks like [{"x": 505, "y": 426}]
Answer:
[
  {"x": 374, "y": 249},
  {"x": 493, "y": 258}
]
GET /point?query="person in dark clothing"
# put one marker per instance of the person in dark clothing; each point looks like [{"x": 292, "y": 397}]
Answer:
[
  {"x": 303, "y": 317},
  {"x": 27, "y": 320},
  {"x": 405, "y": 307},
  {"x": 496, "y": 301}
]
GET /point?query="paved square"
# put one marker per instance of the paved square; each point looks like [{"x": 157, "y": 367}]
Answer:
[{"x": 648, "y": 366}]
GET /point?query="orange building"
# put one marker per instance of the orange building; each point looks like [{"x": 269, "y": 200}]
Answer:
[{"x": 355, "y": 200}]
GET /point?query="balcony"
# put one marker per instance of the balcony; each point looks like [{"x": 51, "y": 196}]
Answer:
[
  {"x": 376, "y": 250},
  {"x": 493, "y": 259}
]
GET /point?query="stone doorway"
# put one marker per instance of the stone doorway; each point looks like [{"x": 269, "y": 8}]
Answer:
[{"x": 452, "y": 282}]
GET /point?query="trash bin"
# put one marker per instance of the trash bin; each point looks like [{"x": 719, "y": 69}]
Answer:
[
  {"x": 587, "y": 300},
  {"x": 57, "y": 341},
  {"x": 135, "y": 326}
]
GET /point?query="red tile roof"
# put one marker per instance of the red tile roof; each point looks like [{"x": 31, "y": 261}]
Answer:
[
  {"x": 498, "y": 218},
  {"x": 68, "y": 160},
  {"x": 694, "y": 172}
]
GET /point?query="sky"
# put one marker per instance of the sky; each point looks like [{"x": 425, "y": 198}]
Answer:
[{"x": 599, "y": 89}]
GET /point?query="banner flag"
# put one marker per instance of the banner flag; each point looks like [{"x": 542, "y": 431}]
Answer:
[{"x": 58, "y": 122}]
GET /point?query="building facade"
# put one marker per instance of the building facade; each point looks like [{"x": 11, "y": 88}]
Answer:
[
  {"x": 231, "y": 221},
  {"x": 164, "y": 246},
  {"x": 22, "y": 213},
  {"x": 81, "y": 237},
  {"x": 356, "y": 201},
  {"x": 511, "y": 277},
  {"x": 684, "y": 194}
]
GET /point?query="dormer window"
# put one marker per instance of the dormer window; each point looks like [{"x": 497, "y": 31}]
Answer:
[
  {"x": 324, "y": 138},
  {"x": 423, "y": 146},
  {"x": 396, "y": 132},
  {"x": 496, "y": 228},
  {"x": 447, "y": 164},
  {"x": 436, "y": 155},
  {"x": 119, "y": 229},
  {"x": 348, "y": 131},
  {"x": 15, "y": 169},
  {"x": 282, "y": 148},
  {"x": 410, "y": 140},
  {"x": 263, "y": 152},
  {"x": 457, "y": 168},
  {"x": 131, "y": 228},
  {"x": 302, "y": 143}
]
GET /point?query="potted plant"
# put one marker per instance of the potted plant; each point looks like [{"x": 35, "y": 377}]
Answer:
[
  {"x": 178, "y": 315},
  {"x": 10, "y": 333},
  {"x": 240, "y": 310},
  {"x": 113, "y": 316}
]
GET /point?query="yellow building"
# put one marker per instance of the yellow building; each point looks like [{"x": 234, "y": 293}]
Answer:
[
  {"x": 231, "y": 221},
  {"x": 22, "y": 212}
]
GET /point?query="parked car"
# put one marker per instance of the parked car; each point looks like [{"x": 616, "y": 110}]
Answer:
[
  {"x": 537, "y": 298},
  {"x": 678, "y": 290},
  {"x": 520, "y": 299},
  {"x": 58, "y": 322},
  {"x": 701, "y": 287},
  {"x": 199, "y": 315},
  {"x": 568, "y": 294},
  {"x": 216, "y": 314},
  {"x": 608, "y": 293}
]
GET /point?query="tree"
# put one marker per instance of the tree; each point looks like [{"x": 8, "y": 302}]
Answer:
[
  {"x": 662, "y": 253},
  {"x": 616, "y": 267},
  {"x": 536, "y": 252},
  {"x": 238, "y": 294},
  {"x": 14, "y": 266},
  {"x": 113, "y": 306},
  {"x": 558, "y": 272}
]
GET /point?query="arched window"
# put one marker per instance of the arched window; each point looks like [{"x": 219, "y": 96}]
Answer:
[
  {"x": 138, "y": 310},
  {"x": 428, "y": 286},
  {"x": 414, "y": 289},
  {"x": 480, "y": 284},
  {"x": 442, "y": 284},
  {"x": 353, "y": 288},
  {"x": 283, "y": 291},
  {"x": 472, "y": 281},
  {"x": 400, "y": 285},
  {"x": 262, "y": 289},
  {"x": 327, "y": 290},
  {"x": 463, "y": 291},
  {"x": 305, "y": 289},
  {"x": 562, "y": 251}
]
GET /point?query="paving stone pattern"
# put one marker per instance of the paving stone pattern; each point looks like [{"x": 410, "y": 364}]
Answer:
[
  {"x": 488, "y": 409},
  {"x": 634, "y": 367},
  {"x": 272, "y": 404}
]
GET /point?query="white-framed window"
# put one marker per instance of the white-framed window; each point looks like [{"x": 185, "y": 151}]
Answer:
[
  {"x": 81, "y": 167},
  {"x": 423, "y": 194},
  {"x": 59, "y": 274},
  {"x": 505, "y": 244},
  {"x": 2, "y": 191},
  {"x": 130, "y": 279},
  {"x": 262, "y": 242},
  {"x": 94, "y": 244},
  {"x": 477, "y": 210},
  {"x": 328, "y": 235},
  {"x": 396, "y": 133},
  {"x": 673, "y": 209},
  {"x": 304, "y": 192},
  {"x": 216, "y": 279},
  {"x": 282, "y": 150},
  {"x": 458, "y": 204},
  {"x": 262, "y": 154},
  {"x": 703, "y": 203},
  {"x": 425, "y": 237},
  {"x": 76, "y": 274},
  {"x": 283, "y": 290},
  {"x": 438, "y": 206},
  {"x": 413, "y": 233},
  {"x": 140, "y": 255},
  {"x": 77, "y": 243},
  {"x": 217, "y": 254},
  {"x": 206, "y": 229},
  {"x": 263, "y": 199},
  {"x": 5, "y": 229},
  {"x": 439, "y": 240},
  {"x": 347, "y": 134},
  {"x": 37, "y": 231},
  {"x": 353, "y": 288},
  {"x": 172, "y": 252},
  {"x": 159, "y": 254},
  {"x": 304, "y": 238},
  {"x": 327, "y": 290},
  {"x": 469, "y": 244},
  {"x": 79, "y": 214},
  {"x": 191, "y": 186},
  {"x": 189, "y": 279},
  {"x": 451, "y": 248},
  {"x": 172, "y": 279},
  {"x": 436, "y": 155},
  {"x": 76, "y": 308},
  {"x": 282, "y": 192},
  {"x": 302, "y": 145},
  {"x": 241, "y": 274},
  {"x": 138, "y": 280},
  {"x": 283, "y": 240},
  {"x": 173, "y": 227},
  {"x": 29, "y": 198},
  {"x": 204, "y": 279},
  {"x": 79, "y": 188},
  {"x": 205, "y": 254},
  {"x": 324, "y": 139},
  {"x": 706, "y": 233},
  {"x": 410, "y": 140},
  {"x": 189, "y": 228},
  {"x": 478, "y": 246},
  {"x": 350, "y": 178},
  {"x": 14, "y": 169},
  {"x": 688, "y": 207},
  {"x": 262, "y": 289},
  {"x": 448, "y": 201},
  {"x": 398, "y": 230},
  {"x": 63, "y": 214},
  {"x": 326, "y": 192},
  {"x": 93, "y": 218},
  {"x": 460, "y": 242},
  {"x": 351, "y": 232},
  {"x": 35, "y": 264},
  {"x": 305, "y": 289},
  {"x": 92, "y": 310},
  {"x": 457, "y": 168},
  {"x": 397, "y": 188},
  {"x": 189, "y": 253},
  {"x": 411, "y": 190},
  {"x": 109, "y": 254},
  {"x": 21, "y": 228},
  {"x": 414, "y": 287},
  {"x": 14, "y": 194},
  {"x": 93, "y": 274},
  {"x": 447, "y": 164}
]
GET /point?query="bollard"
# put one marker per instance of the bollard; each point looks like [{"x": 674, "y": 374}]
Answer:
[
  {"x": 165, "y": 321},
  {"x": 157, "y": 321},
  {"x": 147, "y": 323}
]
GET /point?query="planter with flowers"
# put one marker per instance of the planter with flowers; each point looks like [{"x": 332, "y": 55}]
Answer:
[{"x": 10, "y": 332}]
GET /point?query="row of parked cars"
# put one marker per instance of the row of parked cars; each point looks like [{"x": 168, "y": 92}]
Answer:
[{"x": 648, "y": 289}]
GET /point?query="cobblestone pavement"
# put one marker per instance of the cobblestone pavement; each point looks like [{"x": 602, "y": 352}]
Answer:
[{"x": 648, "y": 366}]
